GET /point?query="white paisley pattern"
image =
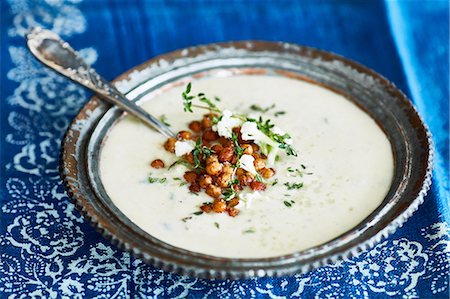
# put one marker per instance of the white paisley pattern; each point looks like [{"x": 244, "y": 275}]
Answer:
[{"x": 47, "y": 250}]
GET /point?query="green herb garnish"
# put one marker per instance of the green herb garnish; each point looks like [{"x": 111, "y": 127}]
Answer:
[
  {"x": 152, "y": 180},
  {"x": 163, "y": 119},
  {"x": 229, "y": 193},
  {"x": 260, "y": 109},
  {"x": 287, "y": 204},
  {"x": 292, "y": 186},
  {"x": 216, "y": 225},
  {"x": 180, "y": 162},
  {"x": 278, "y": 113}
]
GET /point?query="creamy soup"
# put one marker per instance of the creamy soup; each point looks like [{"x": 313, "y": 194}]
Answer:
[{"x": 344, "y": 160}]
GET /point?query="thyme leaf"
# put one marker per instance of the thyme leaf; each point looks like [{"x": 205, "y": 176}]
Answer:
[
  {"x": 292, "y": 186},
  {"x": 287, "y": 204},
  {"x": 260, "y": 109}
]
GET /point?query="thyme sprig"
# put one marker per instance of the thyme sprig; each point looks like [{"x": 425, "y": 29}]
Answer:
[
  {"x": 200, "y": 152},
  {"x": 188, "y": 99}
]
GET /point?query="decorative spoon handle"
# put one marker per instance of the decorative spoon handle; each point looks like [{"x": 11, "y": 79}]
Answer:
[{"x": 57, "y": 54}]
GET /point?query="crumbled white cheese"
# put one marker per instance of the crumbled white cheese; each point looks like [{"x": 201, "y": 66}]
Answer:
[
  {"x": 277, "y": 130},
  {"x": 246, "y": 163},
  {"x": 250, "y": 131},
  {"x": 247, "y": 198},
  {"x": 183, "y": 147},
  {"x": 226, "y": 124}
]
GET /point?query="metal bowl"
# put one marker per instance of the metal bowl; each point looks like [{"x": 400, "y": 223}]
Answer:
[{"x": 394, "y": 113}]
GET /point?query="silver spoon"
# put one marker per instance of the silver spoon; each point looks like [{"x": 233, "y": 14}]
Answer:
[{"x": 57, "y": 54}]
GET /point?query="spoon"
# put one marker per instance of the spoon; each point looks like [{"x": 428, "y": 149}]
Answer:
[{"x": 57, "y": 54}]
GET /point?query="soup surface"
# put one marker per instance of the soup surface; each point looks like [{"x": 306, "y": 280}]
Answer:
[{"x": 345, "y": 160}]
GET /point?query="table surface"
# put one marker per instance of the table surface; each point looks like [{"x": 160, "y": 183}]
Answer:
[{"x": 47, "y": 250}]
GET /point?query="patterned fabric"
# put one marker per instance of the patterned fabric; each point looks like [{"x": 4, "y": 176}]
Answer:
[{"x": 47, "y": 250}]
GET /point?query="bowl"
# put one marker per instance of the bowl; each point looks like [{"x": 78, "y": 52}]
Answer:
[{"x": 387, "y": 105}]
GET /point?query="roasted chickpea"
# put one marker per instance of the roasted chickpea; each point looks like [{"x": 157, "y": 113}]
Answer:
[
  {"x": 255, "y": 147},
  {"x": 195, "y": 126},
  {"x": 158, "y": 163},
  {"x": 225, "y": 142},
  {"x": 216, "y": 148},
  {"x": 267, "y": 172},
  {"x": 190, "y": 176},
  {"x": 213, "y": 167},
  {"x": 257, "y": 186},
  {"x": 219, "y": 205},
  {"x": 185, "y": 135},
  {"x": 207, "y": 121},
  {"x": 223, "y": 180},
  {"x": 226, "y": 154},
  {"x": 227, "y": 168},
  {"x": 189, "y": 158},
  {"x": 213, "y": 191},
  {"x": 240, "y": 171},
  {"x": 194, "y": 188},
  {"x": 248, "y": 149},
  {"x": 206, "y": 208},
  {"x": 210, "y": 135},
  {"x": 169, "y": 145},
  {"x": 212, "y": 159},
  {"x": 246, "y": 179},
  {"x": 233, "y": 202},
  {"x": 237, "y": 188},
  {"x": 233, "y": 212},
  {"x": 256, "y": 156},
  {"x": 259, "y": 163},
  {"x": 205, "y": 180}
]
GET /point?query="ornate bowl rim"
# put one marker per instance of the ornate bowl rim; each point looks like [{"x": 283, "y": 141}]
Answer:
[{"x": 393, "y": 111}]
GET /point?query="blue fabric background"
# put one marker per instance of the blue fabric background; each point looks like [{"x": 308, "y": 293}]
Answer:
[{"x": 406, "y": 41}]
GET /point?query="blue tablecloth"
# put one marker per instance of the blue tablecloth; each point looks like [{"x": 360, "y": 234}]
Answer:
[{"x": 48, "y": 251}]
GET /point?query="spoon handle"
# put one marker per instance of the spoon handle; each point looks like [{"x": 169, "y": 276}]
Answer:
[{"x": 57, "y": 54}]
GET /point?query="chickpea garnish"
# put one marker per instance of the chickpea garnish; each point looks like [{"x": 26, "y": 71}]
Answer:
[
  {"x": 233, "y": 202},
  {"x": 158, "y": 163},
  {"x": 190, "y": 176},
  {"x": 259, "y": 163},
  {"x": 246, "y": 179},
  {"x": 233, "y": 212},
  {"x": 206, "y": 208},
  {"x": 213, "y": 166},
  {"x": 257, "y": 186},
  {"x": 216, "y": 148},
  {"x": 185, "y": 135},
  {"x": 248, "y": 149},
  {"x": 217, "y": 163},
  {"x": 267, "y": 172},
  {"x": 213, "y": 191},
  {"x": 210, "y": 135},
  {"x": 223, "y": 180},
  {"x": 205, "y": 180},
  {"x": 226, "y": 154},
  {"x": 195, "y": 188},
  {"x": 207, "y": 121},
  {"x": 195, "y": 126},
  {"x": 169, "y": 145},
  {"x": 219, "y": 205}
]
